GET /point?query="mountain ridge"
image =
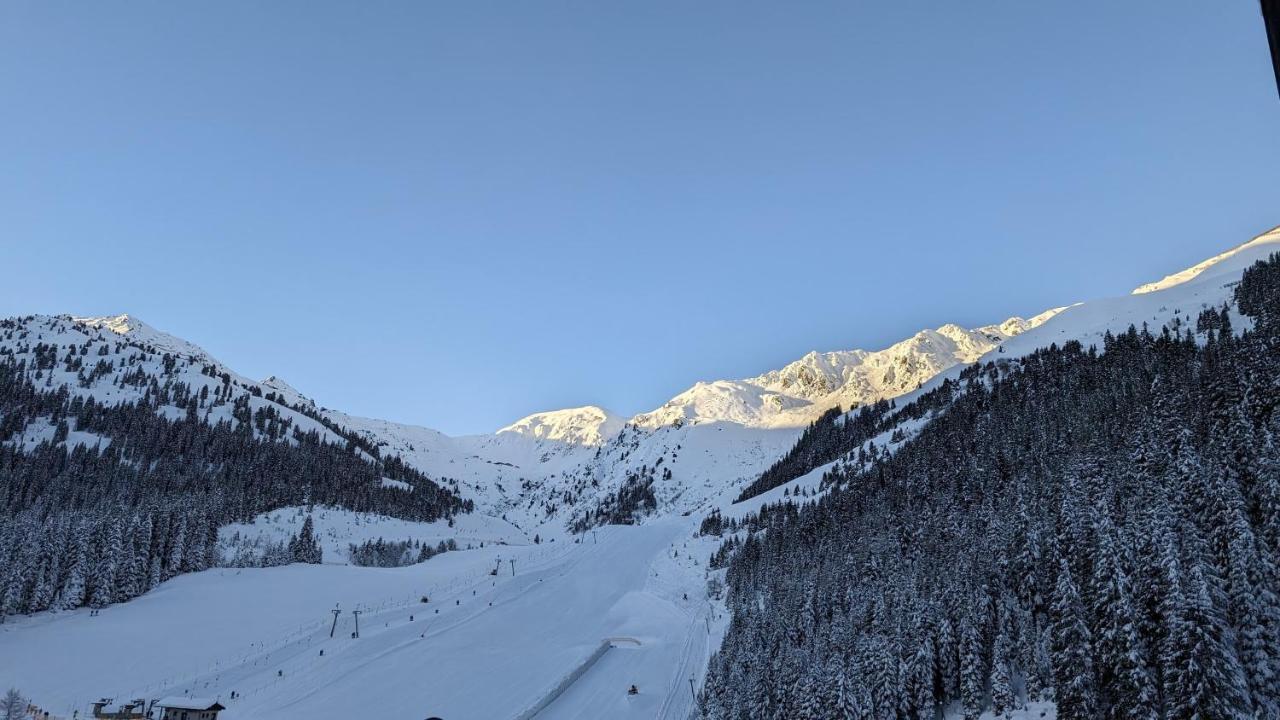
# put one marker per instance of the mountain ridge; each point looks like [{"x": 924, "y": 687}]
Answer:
[
  {"x": 587, "y": 425},
  {"x": 548, "y": 468},
  {"x": 801, "y": 386},
  {"x": 551, "y": 469}
]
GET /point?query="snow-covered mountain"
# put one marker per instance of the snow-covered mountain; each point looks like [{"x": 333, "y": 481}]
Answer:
[
  {"x": 534, "y": 477},
  {"x": 544, "y": 470},
  {"x": 114, "y": 359},
  {"x": 798, "y": 393},
  {"x": 589, "y": 426},
  {"x": 140, "y": 333},
  {"x": 791, "y": 396},
  {"x": 549, "y": 468}
]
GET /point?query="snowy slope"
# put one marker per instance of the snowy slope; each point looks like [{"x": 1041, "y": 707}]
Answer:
[
  {"x": 1228, "y": 263},
  {"x": 110, "y": 350},
  {"x": 495, "y": 648},
  {"x": 588, "y": 425},
  {"x": 1174, "y": 301},
  {"x": 140, "y": 333}
]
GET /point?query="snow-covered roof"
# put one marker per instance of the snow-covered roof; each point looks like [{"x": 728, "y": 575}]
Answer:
[{"x": 188, "y": 703}]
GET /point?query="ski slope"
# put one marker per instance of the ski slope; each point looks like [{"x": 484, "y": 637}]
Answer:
[{"x": 484, "y": 647}]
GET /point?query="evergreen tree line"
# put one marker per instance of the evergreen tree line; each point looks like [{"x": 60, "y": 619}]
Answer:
[
  {"x": 826, "y": 439},
  {"x": 396, "y": 553},
  {"x": 73, "y": 558},
  {"x": 156, "y": 488},
  {"x": 300, "y": 547},
  {"x": 258, "y": 551},
  {"x": 1096, "y": 529}
]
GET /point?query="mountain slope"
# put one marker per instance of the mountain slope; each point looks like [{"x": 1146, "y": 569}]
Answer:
[
  {"x": 590, "y": 425},
  {"x": 797, "y": 394},
  {"x": 1231, "y": 262},
  {"x": 123, "y": 451},
  {"x": 1094, "y": 527},
  {"x": 1174, "y": 302},
  {"x": 548, "y": 470},
  {"x": 552, "y": 469}
]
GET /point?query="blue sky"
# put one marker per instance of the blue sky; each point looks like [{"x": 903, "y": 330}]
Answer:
[{"x": 456, "y": 214}]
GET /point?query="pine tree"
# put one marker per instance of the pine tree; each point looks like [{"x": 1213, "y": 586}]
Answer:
[
  {"x": 1206, "y": 678},
  {"x": 72, "y": 594},
  {"x": 304, "y": 547},
  {"x": 854, "y": 703},
  {"x": 177, "y": 547},
  {"x": 106, "y": 566},
  {"x": 922, "y": 670},
  {"x": 1003, "y": 698},
  {"x": 1123, "y": 678},
  {"x": 1075, "y": 686},
  {"x": 139, "y": 556},
  {"x": 948, "y": 657},
  {"x": 54, "y": 553},
  {"x": 10, "y": 592},
  {"x": 1252, "y": 612},
  {"x": 973, "y": 675}
]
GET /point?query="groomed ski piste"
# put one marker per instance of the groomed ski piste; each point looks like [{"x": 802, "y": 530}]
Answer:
[{"x": 482, "y": 646}]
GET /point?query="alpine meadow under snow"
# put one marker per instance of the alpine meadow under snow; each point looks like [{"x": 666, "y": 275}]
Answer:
[{"x": 1073, "y": 515}]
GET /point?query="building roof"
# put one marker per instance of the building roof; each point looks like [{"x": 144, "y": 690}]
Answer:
[
  {"x": 189, "y": 703},
  {"x": 110, "y": 705}
]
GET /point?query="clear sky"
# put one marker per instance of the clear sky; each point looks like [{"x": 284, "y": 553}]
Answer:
[{"x": 455, "y": 214}]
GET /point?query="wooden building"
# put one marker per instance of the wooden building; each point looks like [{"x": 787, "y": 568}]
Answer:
[{"x": 188, "y": 708}]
